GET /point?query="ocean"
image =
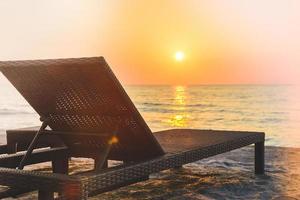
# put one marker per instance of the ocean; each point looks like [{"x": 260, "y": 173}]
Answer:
[{"x": 273, "y": 109}]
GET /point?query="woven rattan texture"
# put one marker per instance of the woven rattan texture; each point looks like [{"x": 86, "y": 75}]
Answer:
[
  {"x": 83, "y": 95},
  {"x": 108, "y": 179},
  {"x": 89, "y": 185}
]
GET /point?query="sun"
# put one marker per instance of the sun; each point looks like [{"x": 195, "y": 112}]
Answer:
[{"x": 179, "y": 56}]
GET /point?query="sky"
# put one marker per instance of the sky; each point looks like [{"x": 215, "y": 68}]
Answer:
[{"x": 223, "y": 42}]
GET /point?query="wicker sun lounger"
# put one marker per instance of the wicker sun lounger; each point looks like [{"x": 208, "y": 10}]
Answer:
[{"x": 85, "y": 112}]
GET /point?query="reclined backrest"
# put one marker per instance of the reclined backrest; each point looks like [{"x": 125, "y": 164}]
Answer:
[{"x": 82, "y": 96}]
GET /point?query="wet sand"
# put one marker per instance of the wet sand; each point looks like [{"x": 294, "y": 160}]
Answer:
[{"x": 226, "y": 176}]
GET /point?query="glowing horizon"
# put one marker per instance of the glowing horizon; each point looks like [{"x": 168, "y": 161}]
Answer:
[{"x": 232, "y": 42}]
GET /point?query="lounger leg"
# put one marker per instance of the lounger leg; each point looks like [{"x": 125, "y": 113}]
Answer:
[
  {"x": 60, "y": 166},
  {"x": 97, "y": 164},
  {"x": 45, "y": 195},
  {"x": 11, "y": 148},
  {"x": 259, "y": 158}
]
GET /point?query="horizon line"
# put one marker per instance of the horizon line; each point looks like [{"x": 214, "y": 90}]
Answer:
[{"x": 219, "y": 84}]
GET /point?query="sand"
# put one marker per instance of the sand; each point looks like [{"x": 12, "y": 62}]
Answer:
[{"x": 226, "y": 176}]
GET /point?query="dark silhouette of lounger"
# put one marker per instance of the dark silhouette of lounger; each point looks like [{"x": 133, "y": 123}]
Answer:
[{"x": 85, "y": 112}]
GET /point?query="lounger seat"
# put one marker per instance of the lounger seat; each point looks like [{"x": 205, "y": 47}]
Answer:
[
  {"x": 190, "y": 148},
  {"x": 85, "y": 112},
  {"x": 191, "y": 145},
  {"x": 178, "y": 140}
]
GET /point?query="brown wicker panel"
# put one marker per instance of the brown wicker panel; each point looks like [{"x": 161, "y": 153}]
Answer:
[
  {"x": 95, "y": 183},
  {"x": 83, "y": 95},
  {"x": 102, "y": 182},
  {"x": 22, "y": 180}
]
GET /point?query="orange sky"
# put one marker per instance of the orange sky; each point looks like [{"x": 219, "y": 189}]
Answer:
[{"x": 225, "y": 42}]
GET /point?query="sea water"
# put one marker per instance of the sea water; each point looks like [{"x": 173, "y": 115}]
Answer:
[{"x": 273, "y": 109}]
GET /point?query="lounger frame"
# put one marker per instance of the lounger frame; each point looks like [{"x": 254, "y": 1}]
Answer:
[
  {"x": 85, "y": 106},
  {"x": 85, "y": 185}
]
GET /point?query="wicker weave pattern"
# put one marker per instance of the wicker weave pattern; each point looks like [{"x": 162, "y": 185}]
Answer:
[
  {"x": 85, "y": 105},
  {"x": 85, "y": 186},
  {"x": 83, "y": 95},
  {"x": 32, "y": 179},
  {"x": 118, "y": 176}
]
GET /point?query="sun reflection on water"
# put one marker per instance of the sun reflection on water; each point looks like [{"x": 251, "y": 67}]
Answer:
[
  {"x": 180, "y": 96},
  {"x": 180, "y": 118}
]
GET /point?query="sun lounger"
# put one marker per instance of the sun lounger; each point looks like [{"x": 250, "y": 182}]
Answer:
[{"x": 85, "y": 112}]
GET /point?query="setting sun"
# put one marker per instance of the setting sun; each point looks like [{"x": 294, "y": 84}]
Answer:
[
  {"x": 204, "y": 91},
  {"x": 179, "y": 56}
]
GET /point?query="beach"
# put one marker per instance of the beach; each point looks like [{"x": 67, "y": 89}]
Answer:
[
  {"x": 271, "y": 109},
  {"x": 151, "y": 85},
  {"x": 226, "y": 176}
]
